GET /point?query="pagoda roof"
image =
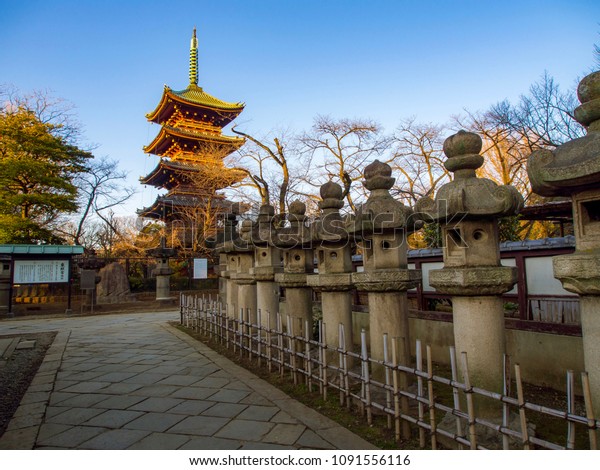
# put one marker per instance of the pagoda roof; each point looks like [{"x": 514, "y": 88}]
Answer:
[
  {"x": 163, "y": 141},
  {"x": 164, "y": 206},
  {"x": 195, "y": 101},
  {"x": 162, "y": 175}
]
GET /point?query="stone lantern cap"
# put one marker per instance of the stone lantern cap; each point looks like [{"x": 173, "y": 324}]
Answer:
[
  {"x": 297, "y": 233},
  {"x": 330, "y": 227},
  {"x": 467, "y": 196},
  {"x": 575, "y": 165},
  {"x": 381, "y": 213},
  {"x": 240, "y": 244},
  {"x": 263, "y": 230},
  {"x": 162, "y": 252}
]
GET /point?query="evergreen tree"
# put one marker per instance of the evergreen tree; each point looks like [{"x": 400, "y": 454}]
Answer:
[{"x": 37, "y": 168}]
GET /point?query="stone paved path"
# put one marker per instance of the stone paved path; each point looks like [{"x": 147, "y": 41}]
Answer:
[{"x": 131, "y": 381}]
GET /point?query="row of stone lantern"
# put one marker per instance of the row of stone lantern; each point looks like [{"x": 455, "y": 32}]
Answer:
[
  {"x": 467, "y": 209},
  {"x": 264, "y": 258}
]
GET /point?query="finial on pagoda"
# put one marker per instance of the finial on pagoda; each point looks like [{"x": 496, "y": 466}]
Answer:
[{"x": 194, "y": 59}]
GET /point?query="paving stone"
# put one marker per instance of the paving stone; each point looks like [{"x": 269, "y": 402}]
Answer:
[
  {"x": 84, "y": 399},
  {"x": 156, "y": 404},
  {"x": 35, "y": 397},
  {"x": 26, "y": 344},
  {"x": 113, "y": 418},
  {"x": 19, "y": 439},
  {"x": 51, "y": 429},
  {"x": 259, "y": 413},
  {"x": 211, "y": 443},
  {"x": 285, "y": 434},
  {"x": 60, "y": 385},
  {"x": 229, "y": 396},
  {"x": 213, "y": 382},
  {"x": 25, "y": 421},
  {"x": 156, "y": 390},
  {"x": 115, "y": 376},
  {"x": 30, "y": 409},
  {"x": 146, "y": 378},
  {"x": 283, "y": 417},
  {"x": 115, "y": 439},
  {"x": 179, "y": 380},
  {"x": 157, "y": 422},
  {"x": 119, "y": 402},
  {"x": 85, "y": 387},
  {"x": 193, "y": 393},
  {"x": 161, "y": 441},
  {"x": 199, "y": 425},
  {"x": 120, "y": 388},
  {"x": 245, "y": 430},
  {"x": 191, "y": 407},
  {"x": 225, "y": 410},
  {"x": 79, "y": 376},
  {"x": 310, "y": 440},
  {"x": 72, "y": 437},
  {"x": 341, "y": 438},
  {"x": 256, "y": 399},
  {"x": 74, "y": 416}
]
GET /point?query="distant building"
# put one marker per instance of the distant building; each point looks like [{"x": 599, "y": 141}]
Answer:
[{"x": 191, "y": 148}]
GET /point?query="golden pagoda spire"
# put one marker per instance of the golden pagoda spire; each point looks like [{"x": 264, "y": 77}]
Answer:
[{"x": 194, "y": 59}]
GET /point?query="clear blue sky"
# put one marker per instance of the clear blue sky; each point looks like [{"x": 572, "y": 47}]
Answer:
[{"x": 288, "y": 60}]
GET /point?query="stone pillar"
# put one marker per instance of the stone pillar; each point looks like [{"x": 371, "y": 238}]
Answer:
[
  {"x": 573, "y": 169},
  {"x": 334, "y": 262},
  {"x": 267, "y": 262},
  {"x": 298, "y": 263},
  {"x": 467, "y": 209},
  {"x": 228, "y": 265},
  {"x": 222, "y": 269},
  {"x": 246, "y": 285},
  {"x": 163, "y": 275},
  {"x": 382, "y": 224},
  {"x": 163, "y": 271}
]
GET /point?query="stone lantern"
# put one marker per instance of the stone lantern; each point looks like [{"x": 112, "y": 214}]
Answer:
[
  {"x": 228, "y": 291},
  {"x": 334, "y": 262},
  {"x": 573, "y": 169},
  {"x": 163, "y": 271},
  {"x": 298, "y": 263},
  {"x": 267, "y": 262},
  {"x": 242, "y": 256},
  {"x": 468, "y": 209},
  {"x": 382, "y": 224}
]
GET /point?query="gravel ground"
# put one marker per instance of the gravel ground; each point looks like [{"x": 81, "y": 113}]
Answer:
[{"x": 18, "y": 371}]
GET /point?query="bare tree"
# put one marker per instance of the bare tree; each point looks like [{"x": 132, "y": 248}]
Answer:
[
  {"x": 101, "y": 188},
  {"x": 418, "y": 156},
  {"x": 259, "y": 155},
  {"x": 341, "y": 149},
  {"x": 543, "y": 118}
]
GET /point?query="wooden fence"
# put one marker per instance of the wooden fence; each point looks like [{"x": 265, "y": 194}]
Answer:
[{"x": 405, "y": 396}]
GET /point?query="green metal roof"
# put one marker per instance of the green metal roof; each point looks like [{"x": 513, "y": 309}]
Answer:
[
  {"x": 195, "y": 94},
  {"x": 42, "y": 249}
]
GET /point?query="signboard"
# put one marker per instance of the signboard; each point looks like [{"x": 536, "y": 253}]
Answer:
[
  {"x": 200, "y": 268},
  {"x": 41, "y": 271}
]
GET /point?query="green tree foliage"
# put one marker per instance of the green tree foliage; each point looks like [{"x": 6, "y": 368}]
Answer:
[{"x": 37, "y": 168}]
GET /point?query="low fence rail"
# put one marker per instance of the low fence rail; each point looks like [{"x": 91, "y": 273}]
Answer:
[{"x": 405, "y": 396}]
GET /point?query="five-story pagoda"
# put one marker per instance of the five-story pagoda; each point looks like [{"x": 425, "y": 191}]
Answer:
[{"x": 191, "y": 148}]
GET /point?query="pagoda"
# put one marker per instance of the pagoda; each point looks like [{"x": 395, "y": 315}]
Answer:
[{"x": 191, "y": 147}]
